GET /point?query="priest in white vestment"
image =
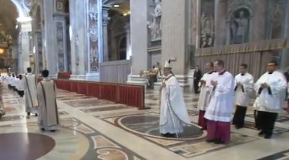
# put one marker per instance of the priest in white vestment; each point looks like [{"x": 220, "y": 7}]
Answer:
[
  {"x": 244, "y": 86},
  {"x": 270, "y": 89},
  {"x": 205, "y": 90},
  {"x": 221, "y": 106},
  {"x": 31, "y": 102},
  {"x": 48, "y": 119},
  {"x": 173, "y": 112}
]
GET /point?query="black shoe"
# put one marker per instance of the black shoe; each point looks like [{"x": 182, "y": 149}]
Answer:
[
  {"x": 28, "y": 114},
  {"x": 219, "y": 142},
  {"x": 42, "y": 129},
  {"x": 211, "y": 141},
  {"x": 52, "y": 130},
  {"x": 36, "y": 115},
  {"x": 239, "y": 127},
  {"x": 261, "y": 133},
  {"x": 267, "y": 136}
]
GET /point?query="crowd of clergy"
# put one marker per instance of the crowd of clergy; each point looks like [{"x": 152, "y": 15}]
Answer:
[
  {"x": 223, "y": 100},
  {"x": 39, "y": 97}
]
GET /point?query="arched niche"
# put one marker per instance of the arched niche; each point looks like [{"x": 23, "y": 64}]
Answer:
[{"x": 239, "y": 25}]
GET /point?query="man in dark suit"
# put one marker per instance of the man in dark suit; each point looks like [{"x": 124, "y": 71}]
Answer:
[{"x": 197, "y": 78}]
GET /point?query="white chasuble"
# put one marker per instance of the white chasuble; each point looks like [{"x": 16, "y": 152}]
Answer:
[
  {"x": 48, "y": 112},
  {"x": 221, "y": 105},
  {"x": 205, "y": 91},
  {"x": 173, "y": 112},
  {"x": 271, "y": 99},
  {"x": 29, "y": 82},
  {"x": 243, "y": 93}
]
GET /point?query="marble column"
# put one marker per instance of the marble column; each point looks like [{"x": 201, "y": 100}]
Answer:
[
  {"x": 105, "y": 20},
  {"x": 174, "y": 37},
  {"x": 78, "y": 38},
  {"x": 139, "y": 39},
  {"x": 128, "y": 41},
  {"x": 259, "y": 21},
  {"x": 25, "y": 49},
  {"x": 37, "y": 52},
  {"x": 220, "y": 22},
  {"x": 49, "y": 38}
]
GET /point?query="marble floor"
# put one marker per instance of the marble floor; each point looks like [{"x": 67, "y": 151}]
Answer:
[{"x": 93, "y": 129}]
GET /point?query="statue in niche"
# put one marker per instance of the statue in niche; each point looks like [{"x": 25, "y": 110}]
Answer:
[
  {"x": 155, "y": 25},
  {"x": 240, "y": 26},
  {"x": 207, "y": 33},
  {"x": 277, "y": 20}
]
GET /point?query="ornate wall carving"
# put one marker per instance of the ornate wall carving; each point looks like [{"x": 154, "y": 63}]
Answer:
[
  {"x": 60, "y": 45},
  {"x": 154, "y": 24},
  {"x": 93, "y": 39},
  {"x": 277, "y": 17},
  {"x": 207, "y": 23}
]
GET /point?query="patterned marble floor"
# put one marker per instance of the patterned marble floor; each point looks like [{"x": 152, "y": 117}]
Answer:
[{"x": 97, "y": 129}]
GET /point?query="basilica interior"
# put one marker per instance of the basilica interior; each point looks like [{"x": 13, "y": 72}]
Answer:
[{"x": 97, "y": 51}]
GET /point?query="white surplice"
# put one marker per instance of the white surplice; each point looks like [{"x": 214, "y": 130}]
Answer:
[
  {"x": 221, "y": 105},
  {"x": 205, "y": 91},
  {"x": 243, "y": 93},
  {"x": 173, "y": 112},
  {"x": 48, "y": 118},
  {"x": 30, "y": 92},
  {"x": 20, "y": 85},
  {"x": 274, "y": 101}
]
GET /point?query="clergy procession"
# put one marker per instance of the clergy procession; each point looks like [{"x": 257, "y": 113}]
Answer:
[
  {"x": 224, "y": 100},
  {"x": 40, "y": 98}
]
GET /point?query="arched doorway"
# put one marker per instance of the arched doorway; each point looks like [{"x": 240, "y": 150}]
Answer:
[{"x": 117, "y": 32}]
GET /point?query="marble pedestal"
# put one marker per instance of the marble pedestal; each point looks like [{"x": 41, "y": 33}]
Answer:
[
  {"x": 92, "y": 77},
  {"x": 136, "y": 79},
  {"x": 53, "y": 76},
  {"x": 77, "y": 77}
]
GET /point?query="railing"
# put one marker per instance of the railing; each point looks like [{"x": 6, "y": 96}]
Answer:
[
  {"x": 131, "y": 95},
  {"x": 114, "y": 71}
]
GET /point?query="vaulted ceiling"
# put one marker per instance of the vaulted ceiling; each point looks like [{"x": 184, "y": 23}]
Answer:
[{"x": 8, "y": 16}]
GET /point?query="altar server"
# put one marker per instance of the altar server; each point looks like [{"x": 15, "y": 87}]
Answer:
[
  {"x": 173, "y": 112},
  {"x": 205, "y": 88},
  {"x": 48, "y": 119},
  {"x": 30, "y": 93},
  {"x": 20, "y": 86},
  {"x": 270, "y": 89},
  {"x": 12, "y": 82},
  {"x": 244, "y": 86},
  {"x": 221, "y": 106}
]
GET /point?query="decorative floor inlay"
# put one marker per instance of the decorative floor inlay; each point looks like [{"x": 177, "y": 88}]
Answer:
[
  {"x": 88, "y": 103},
  {"x": 106, "y": 108},
  {"x": 189, "y": 144}
]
